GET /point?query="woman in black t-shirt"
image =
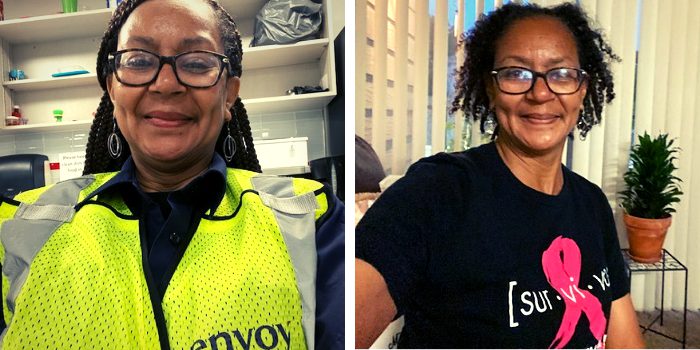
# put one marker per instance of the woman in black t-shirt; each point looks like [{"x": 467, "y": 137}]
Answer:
[{"x": 502, "y": 246}]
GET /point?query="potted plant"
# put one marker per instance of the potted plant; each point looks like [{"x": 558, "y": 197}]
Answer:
[{"x": 651, "y": 191}]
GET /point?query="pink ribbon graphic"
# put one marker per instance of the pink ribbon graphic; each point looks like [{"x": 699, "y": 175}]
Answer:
[{"x": 561, "y": 263}]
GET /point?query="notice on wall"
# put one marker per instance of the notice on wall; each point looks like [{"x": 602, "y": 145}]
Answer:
[{"x": 71, "y": 165}]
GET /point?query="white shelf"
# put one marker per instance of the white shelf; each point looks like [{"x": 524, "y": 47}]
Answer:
[
  {"x": 45, "y": 127},
  {"x": 55, "y": 27},
  {"x": 283, "y": 55},
  {"x": 242, "y": 8},
  {"x": 316, "y": 100},
  {"x": 52, "y": 83},
  {"x": 293, "y": 170}
]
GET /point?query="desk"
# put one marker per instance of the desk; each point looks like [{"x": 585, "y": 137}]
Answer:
[{"x": 668, "y": 263}]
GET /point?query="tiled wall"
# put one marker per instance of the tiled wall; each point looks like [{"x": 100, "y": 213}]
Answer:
[
  {"x": 293, "y": 124},
  {"x": 49, "y": 143},
  {"x": 264, "y": 126}
]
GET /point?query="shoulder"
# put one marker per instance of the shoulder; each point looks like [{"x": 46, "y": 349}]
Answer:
[
  {"x": 466, "y": 161},
  {"x": 82, "y": 182},
  {"x": 273, "y": 183},
  {"x": 448, "y": 173},
  {"x": 31, "y": 195},
  {"x": 585, "y": 189},
  {"x": 294, "y": 192},
  {"x": 435, "y": 187}
]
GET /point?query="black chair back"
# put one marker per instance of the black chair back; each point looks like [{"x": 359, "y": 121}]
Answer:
[{"x": 21, "y": 172}]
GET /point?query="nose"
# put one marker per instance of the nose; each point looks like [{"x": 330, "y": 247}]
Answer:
[
  {"x": 540, "y": 92},
  {"x": 166, "y": 81}
]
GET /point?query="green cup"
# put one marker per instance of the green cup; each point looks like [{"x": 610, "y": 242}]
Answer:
[{"x": 69, "y": 5}]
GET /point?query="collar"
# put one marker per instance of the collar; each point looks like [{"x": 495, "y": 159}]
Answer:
[{"x": 208, "y": 188}]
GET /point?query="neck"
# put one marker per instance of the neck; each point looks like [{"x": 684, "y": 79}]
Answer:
[
  {"x": 160, "y": 177},
  {"x": 541, "y": 172}
]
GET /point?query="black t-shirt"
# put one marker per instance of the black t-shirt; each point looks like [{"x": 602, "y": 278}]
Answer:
[{"x": 474, "y": 258}]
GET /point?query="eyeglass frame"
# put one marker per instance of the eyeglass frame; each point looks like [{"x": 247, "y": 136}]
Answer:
[
  {"x": 535, "y": 74},
  {"x": 162, "y": 60}
]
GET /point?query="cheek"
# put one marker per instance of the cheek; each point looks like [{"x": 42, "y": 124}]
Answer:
[
  {"x": 506, "y": 104},
  {"x": 211, "y": 104},
  {"x": 573, "y": 104},
  {"x": 125, "y": 101}
]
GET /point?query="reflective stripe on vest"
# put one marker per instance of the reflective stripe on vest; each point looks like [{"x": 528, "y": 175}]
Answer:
[
  {"x": 295, "y": 216},
  {"x": 33, "y": 224}
]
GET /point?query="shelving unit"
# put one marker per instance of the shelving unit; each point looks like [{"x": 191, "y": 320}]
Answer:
[
  {"x": 288, "y": 103},
  {"x": 51, "y": 83},
  {"x": 44, "y": 28},
  {"x": 284, "y": 55},
  {"x": 46, "y": 127},
  {"x": 40, "y": 41}
]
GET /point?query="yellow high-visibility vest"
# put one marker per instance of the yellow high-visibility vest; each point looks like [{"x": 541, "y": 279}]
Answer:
[{"x": 73, "y": 270}]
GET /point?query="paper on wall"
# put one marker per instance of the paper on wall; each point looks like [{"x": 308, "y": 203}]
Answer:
[{"x": 71, "y": 165}]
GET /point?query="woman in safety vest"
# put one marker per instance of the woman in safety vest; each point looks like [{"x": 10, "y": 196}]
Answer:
[{"x": 172, "y": 238}]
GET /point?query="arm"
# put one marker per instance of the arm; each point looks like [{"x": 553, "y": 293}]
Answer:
[
  {"x": 391, "y": 249},
  {"x": 623, "y": 329},
  {"x": 374, "y": 307}
]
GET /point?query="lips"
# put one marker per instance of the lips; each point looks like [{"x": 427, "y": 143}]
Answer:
[
  {"x": 167, "y": 119},
  {"x": 540, "y": 119}
]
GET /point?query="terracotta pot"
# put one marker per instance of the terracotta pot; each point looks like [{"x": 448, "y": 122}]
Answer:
[{"x": 646, "y": 237}]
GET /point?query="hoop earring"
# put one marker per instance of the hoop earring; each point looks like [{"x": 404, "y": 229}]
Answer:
[
  {"x": 490, "y": 124},
  {"x": 229, "y": 146},
  {"x": 114, "y": 143}
]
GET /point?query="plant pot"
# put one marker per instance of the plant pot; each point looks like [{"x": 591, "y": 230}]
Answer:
[{"x": 646, "y": 237}]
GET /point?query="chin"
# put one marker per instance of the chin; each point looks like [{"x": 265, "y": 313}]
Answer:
[
  {"x": 546, "y": 146},
  {"x": 165, "y": 155},
  {"x": 541, "y": 143}
]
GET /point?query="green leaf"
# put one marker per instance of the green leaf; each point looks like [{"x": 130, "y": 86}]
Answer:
[{"x": 652, "y": 187}]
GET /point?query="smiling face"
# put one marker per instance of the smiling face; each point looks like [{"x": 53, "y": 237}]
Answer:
[
  {"x": 169, "y": 125},
  {"x": 538, "y": 121}
]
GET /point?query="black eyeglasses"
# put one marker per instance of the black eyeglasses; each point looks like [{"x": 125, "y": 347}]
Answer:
[
  {"x": 519, "y": 80},
  {"x": 197, "y": 69}
]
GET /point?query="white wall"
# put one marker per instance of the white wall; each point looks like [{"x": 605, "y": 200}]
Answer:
[{"x": 338, "y": 14}]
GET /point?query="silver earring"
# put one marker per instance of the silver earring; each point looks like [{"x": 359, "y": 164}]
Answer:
[
  {"x": 229, "y": 146},
  {"x": 490, "y": 123},
  {"x": 114, "y": 143},
  {"x": 245, "y": 146}
]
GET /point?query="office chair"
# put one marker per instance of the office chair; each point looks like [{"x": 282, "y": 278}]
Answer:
[
  {"x": 330, "y": 170},
  {"x": 21, "y": 172}
]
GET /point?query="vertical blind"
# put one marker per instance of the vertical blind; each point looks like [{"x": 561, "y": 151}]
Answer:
[{"x": 656, "y": 86}]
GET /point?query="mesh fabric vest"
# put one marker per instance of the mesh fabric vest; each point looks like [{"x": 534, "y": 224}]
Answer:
[{"x": 234, "y": 288}]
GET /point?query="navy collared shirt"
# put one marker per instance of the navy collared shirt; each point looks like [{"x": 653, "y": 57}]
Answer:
[{"x": 168, "y": 217}]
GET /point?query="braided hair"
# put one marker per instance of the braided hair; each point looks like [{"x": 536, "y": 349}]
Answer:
[
  {"x": 97, "y": 158},
  {"x": 594, "y": 55}
]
